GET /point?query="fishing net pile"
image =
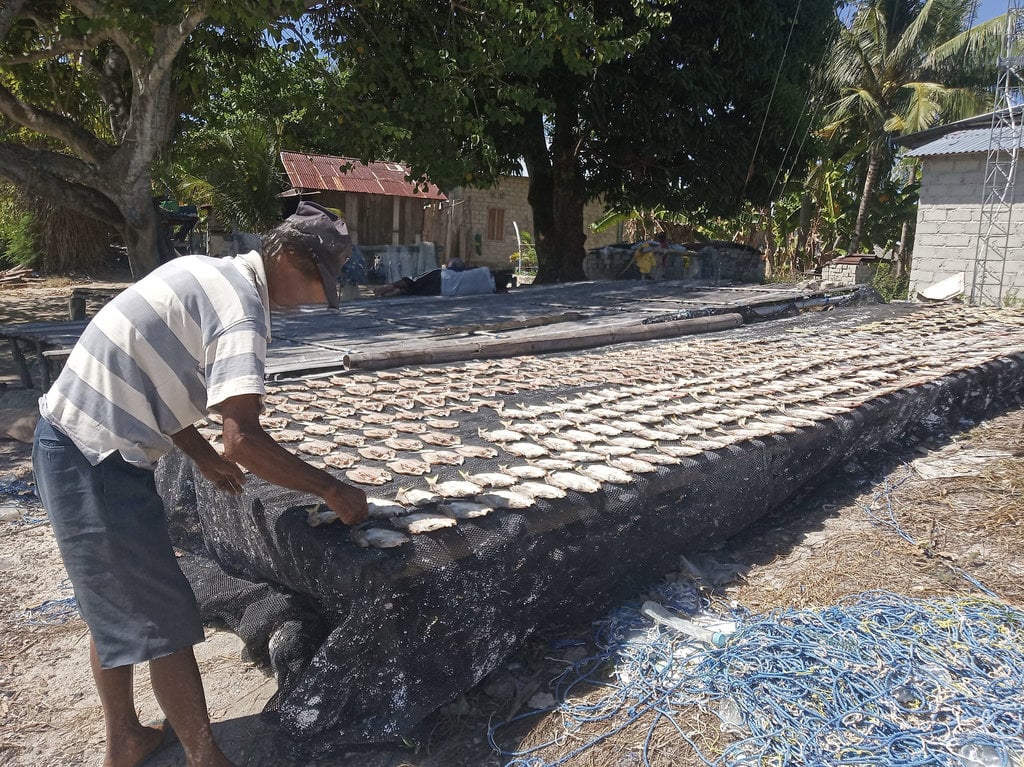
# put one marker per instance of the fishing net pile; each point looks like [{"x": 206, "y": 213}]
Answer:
[{"x": 512, "y": 494}]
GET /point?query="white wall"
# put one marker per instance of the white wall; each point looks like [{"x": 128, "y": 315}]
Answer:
[{"x": 948, "y": 220}]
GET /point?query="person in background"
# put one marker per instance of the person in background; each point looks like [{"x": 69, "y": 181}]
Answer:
[
  {"x": 454, "y": 280},
  {"x": 189, "y": 338},
  {"x": 646, "y": 256}
]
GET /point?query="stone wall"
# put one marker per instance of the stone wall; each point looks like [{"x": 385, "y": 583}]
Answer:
[
  {"x": 849, "y": 274},
  {"x": 948, "y": 221}
]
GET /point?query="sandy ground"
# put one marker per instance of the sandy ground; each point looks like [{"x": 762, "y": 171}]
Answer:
[{"x": 958, "y": 498}]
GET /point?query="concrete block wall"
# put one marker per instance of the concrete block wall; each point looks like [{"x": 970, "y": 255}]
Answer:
[
  {"x": 948, "y": 221},
  {"x": 510, "y": 195},
  {"x": 849, "y": 274}
]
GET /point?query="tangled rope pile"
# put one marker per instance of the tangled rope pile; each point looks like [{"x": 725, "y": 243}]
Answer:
[{"x": 878, "y": 679}]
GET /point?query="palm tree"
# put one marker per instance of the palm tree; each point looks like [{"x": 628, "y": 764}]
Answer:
[{"x": 901, "y": 66}]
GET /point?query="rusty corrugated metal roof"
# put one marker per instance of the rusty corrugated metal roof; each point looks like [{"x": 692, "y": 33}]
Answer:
[{"x": 309, "y": 172}]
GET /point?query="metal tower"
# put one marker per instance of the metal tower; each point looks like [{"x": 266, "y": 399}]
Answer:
[{"x": 1000, "y": 168}]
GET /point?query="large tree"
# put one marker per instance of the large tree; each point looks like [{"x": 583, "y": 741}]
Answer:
[
  {"x": 682, "y": 104},
  {"x": 90, "y": 91},
  {"x": 901, "y": 66}
]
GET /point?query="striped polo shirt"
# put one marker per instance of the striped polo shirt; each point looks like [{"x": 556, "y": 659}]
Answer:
[{"x": 162, "y": 354}]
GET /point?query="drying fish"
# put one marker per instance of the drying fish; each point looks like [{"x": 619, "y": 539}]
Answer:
[
  {"x": 317, "y": 447},
  {"x": 604, "y": 473},
  {"x": 378, "y": 537},
  {"x": 656, "y": 435},
  {"x": 554, "y": 424},
  {"x": 269, "y": 422},
  {"x": 580, "y": 456},
  {"x": 366, "y": 475},
  {"x": 291, "y": 408},
  {"x": 319, "y": 429},
  {"x": 510, "y": 412},
  {"x": 409, "y": 427},
  {"x": 442, "y": 423},
  {"x": 612, "y": 450},
  {"x": 423, "y": 523},
  {"x": 660, "y": 459},
  {"x": 398, "y": 443},
  {"x": 627, "y": 425},
  {"x": 347, "y": 424},
  {"x": 632, "y": 465},
  {"x": 579, "y": 419},
  {"x": 527, "y": 471},
  {"x": 490, "y": 479},
  {"x": 381, "y": 508},
  {"x": 501, "y": 435},
  {"x": 339, "y": 459},
  {"x": 359, "y": 390},
  {"x": 505, "y": 499},
  {"x": 531, "y": 428},
  {"x": 320, "y": 514},
  {"x": 554, "y": 464},
  {"x": 377, "y": 453},
  {"x": 526, "y": 449},
  {"x": 632, "y": 442},
  {"x": 381, "y": 419},
  {"x": 373, "y": 432},
  {"x": 581, "y": 436},
  {"x": 570, "y": 480},
  {"x": 288, "y": 435},
  {"x": 409, "y": 467},
  {"x": 349, "y": 440},
  {"x": 442, "y": 457},
  {"x": 476, "y": 451},
  {"x": 604, "y": 429},
  {"x": 417, "y": 497},
  {"x": 557, "y": 444},
  {"x": 440, "y": 439},
  {"x": 302, "y": 396},
  {"x": 454, "y": 488},
  {"x": 464, "y": 509},
  {"x": 539, "y": 490}
]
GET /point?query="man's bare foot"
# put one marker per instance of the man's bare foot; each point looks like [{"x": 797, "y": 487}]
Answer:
[{"x": 133, "y": 746}]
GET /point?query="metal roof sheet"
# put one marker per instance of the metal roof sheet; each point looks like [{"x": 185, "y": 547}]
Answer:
[
  {"x": 969, "y": 142},
  {"x": 326, "y": 173}
]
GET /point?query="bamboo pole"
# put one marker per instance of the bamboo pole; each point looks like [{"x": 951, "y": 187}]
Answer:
[{"x": 562, "y": 339}]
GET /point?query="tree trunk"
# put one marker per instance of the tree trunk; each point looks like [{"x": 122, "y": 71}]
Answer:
[
  {"x": 141, "y": 236},
  {"x": 870, "y": 179}
]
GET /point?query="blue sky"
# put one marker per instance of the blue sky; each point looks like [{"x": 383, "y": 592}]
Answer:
[{"x": 988, "y": 9}]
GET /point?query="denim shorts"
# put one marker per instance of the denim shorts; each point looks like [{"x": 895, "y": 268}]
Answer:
[{"x": 111, "y": 529}]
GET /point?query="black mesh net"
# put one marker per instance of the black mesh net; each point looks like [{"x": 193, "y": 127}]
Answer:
[{"x": 672, "y": 446}]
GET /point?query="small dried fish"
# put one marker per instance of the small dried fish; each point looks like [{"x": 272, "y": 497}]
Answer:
[
  {"x": 558, "y": 444},
  {"x": 555, "y": 464},
  {"x": 442, "y": 457},
  {"x": 634, "y": 443},
  {"x": 581, "y": 436},
  {"x": 632, "y": 465},
  {"x": 661, "y": 459},
  {"x": 476, "y": 451},
  {"x": 417, "y": 497},
  {"x": 464, "y": 509},
  {"x": 442, "y": 423},
  {"x": 490, "y": 479},
  {"x": 288, "y": 435},
  {"x": 530, "y": 428},
  {"x": 554, "y": 424},
  {"x": 410, "y": 467},
  {"x": 570, "y": 480},
  {"x": 454, "y": 488},
  {"x": 505, "y": 499},
  {"x": 525, "y": 449},
  {"x": 409, "y": 427},
  {"x": 381, "y": 508},
  {"x": 398, "y": 443},
  {"x": 376, "y": 453},
  {"x": 440, "y": 439},
  {"x": 269, "y": 422},
  {"x": 373, "y": 432},
  {"x": 349, "y": 440},
  {"x": 365, "y": 475},
  {"x": 604, "y": 473},
  {"x": 604, "y": 429},
  {"x": 379, "y": 537},
  {"x": 302, "y": 396},
  {"x": 527, "y": 471},
  {"x": 317, "y": 447},
  {"x": 539, "y": 490},
  {"x": 612, "y": 450},
  {"x": 319, "y": 514},
  {"x": 580, "y": 456},
  {"x": 381, "y": 419},
  {"x": 423, "y": 523},
  {"x": 501, "y": 435},
  {"x": 339, "y": 459},
  {"x": 319, "y": 429}
]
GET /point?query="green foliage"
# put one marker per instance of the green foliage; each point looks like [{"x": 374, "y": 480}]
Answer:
[
  {"x": 891, "y": 285},
  {"x": 525, "y": 259},
  {"x": 19, "y": 238}
]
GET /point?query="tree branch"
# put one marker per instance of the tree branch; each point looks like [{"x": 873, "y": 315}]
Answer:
[
  {"x": 35, "y": 179},
  {"x": 8, "y": 13},
  {"x": 82, "y": 142},
  {"x": 61, "y": 48}
]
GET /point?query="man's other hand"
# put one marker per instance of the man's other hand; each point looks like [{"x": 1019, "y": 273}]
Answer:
[
  {"x": 224, "y": 474},
  {"x": 348, "y": 502}
]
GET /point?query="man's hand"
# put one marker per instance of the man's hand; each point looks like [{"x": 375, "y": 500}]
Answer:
[
  {"x": 224, "y": 474},
  {"x": 348, "y": 502}
]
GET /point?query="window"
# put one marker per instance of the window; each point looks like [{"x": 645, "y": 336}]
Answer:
[{"x": 496, "y": 224}]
